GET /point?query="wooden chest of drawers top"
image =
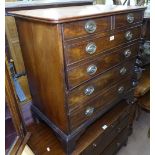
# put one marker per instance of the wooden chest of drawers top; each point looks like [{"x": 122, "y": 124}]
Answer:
[
  {"x": 65, "y": 14},
  {"x": 77, "y": 56}
]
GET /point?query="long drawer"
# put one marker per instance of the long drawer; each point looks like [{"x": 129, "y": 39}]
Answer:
[
  {"x": 103, "y": 140},
  {"x": 80, "y": 50},
  {"x": 82, "y": 112},
  {"x": 84, "y": 72},
  {"x": 116, "y": 144},
  {"x": 92, "y": 88}
]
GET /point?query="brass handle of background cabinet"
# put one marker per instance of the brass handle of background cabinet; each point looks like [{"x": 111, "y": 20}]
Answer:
[
  {"x": 118, "y": 144},
  {"x": 89, "y": 111},
  {"x": 90, "y": 26},
  {"x": 128, "y": 35},
  {"x": 138, "y": 70},
  {"x": 134, "y": 83},
  {"x": 118, "y": 130},
  {"x": 130, "y": 18},
  {"x": 89, "y": 90},
  {"x": 123, "y": 71},
  {"x": 91, "y": 48},
  {"x": 94, "y": 145},
  {"x": 121, "y": 90},
  {"x": 91, "y": 69},
  {"x": 127, "y": 53}
]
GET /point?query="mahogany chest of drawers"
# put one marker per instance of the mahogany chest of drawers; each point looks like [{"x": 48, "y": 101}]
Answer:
[{"x": 80, "y": 63}]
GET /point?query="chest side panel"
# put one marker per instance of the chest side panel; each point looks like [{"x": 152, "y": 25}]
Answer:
[{"x": 43, "y": 57}]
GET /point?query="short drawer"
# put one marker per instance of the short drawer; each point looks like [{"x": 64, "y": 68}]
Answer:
[
  {"x": 90, "y": 89},
  {"x": 82, "y": 112},
  {"x": 80, "y": 50},
  {"x": 103, "y": 140},
  {"x": 128, "y": 19},
  {"x": 86, "y": 27},
  {"x": 117, "y": 143},
  {"x": 84, "y": 72}
]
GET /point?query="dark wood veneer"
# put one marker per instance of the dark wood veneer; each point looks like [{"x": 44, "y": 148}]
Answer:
[
  {"x": 18, "y": 5},
  {"x": 76, "y": 51},
  {"x": 121, "y": 20},
  {"x": 100, "y": 144},
  {"x": 55, "y": 59},
  {"x": 39, "y": 52},
  {"x": 77, "y": 75},
  {"x": 101, "y": 103},
  {"x": 100, "y": 83},
  {"x": 77, "y": 28},
  {"x": 42, "y": 137},
  {"x": 116, "y": 144}
]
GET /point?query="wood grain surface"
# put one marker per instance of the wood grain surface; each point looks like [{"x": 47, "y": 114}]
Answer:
[
  {"x": 57, "y": 66},
  {"x": 76, "y": 51},
  {"x": 79, "y": 74},
  {"x": 101, "y": 103},
  {"x": 39, "y": 55},
  {"x": 43, "y": 138},
  {"x": 100, "y": 83},
  {"x": 65, "y": 14}
]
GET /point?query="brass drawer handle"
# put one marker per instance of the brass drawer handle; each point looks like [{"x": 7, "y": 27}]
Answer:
[
  {"x": 139, "y": 62},
  {"x": 121, "y": 90},
  {"x": 123, "y": 71},
  {"x": 91, "y": 48},
  {"x": 130, "y": 18},
  {"x": 90, "y": 26},
  {"x": 118, "y": 144},
  {"x": 94, "y": 145},
  {"x": 138, "y": 71},
  {"x": 127, "y": 53},
  {"x": 118, "y": 130},
  {"x": 134, "y": 83},
  {"x": 112, "y": 126},
  {"x": 91, "y": 69},
  {"x": 89, "y": 90},
  {"x": 89, "y": 111},
  {"x": 128, "y": 35}
]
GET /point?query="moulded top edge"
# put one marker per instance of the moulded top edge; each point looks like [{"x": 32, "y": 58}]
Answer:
[{"x": 72, "y": 13}]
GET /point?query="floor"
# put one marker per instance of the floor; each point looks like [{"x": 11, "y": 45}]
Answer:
[{"x": 138, "y": 142}]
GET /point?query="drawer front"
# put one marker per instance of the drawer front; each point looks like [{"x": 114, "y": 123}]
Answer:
[
  {"x": 128, "y": 19},
  {"x": 82, "y": 73},
  {"x": 86, "y": 27},
  {"x": 117, "y": 143},
  {"x": 86, "y": 49},
  {"x": 92, "y": 88},
  {"x": 81, "y": 113},
  {"x": 103, "y": 140}
]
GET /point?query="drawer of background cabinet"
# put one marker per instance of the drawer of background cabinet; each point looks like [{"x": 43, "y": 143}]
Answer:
[
  {"x": 103, "y": 140},
  {"x": 128, "y": 19},
  {"x": 92, "y": 88},
  {"x": 80, "y": 50},
  {"x": 81, "y": 73},
  {"x": 86, "y": 27},
  {"x": 116, "y": 144},
  {"x": 82, "y": 112},
  {"x": 115, "y": 119}
]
